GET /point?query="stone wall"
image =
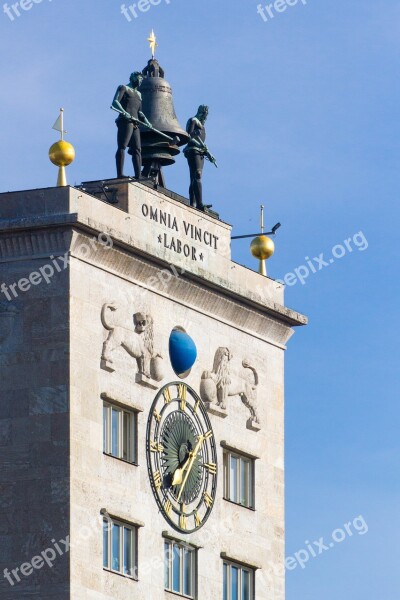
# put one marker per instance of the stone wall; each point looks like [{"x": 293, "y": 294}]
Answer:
[
  {"x": 54, "y": 478},
  {"x": 34, "y": 418}
]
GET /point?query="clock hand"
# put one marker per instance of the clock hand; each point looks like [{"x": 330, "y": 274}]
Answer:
[
  {"x": 178, "y": 475},
  {"x": 190, "y": 465}
]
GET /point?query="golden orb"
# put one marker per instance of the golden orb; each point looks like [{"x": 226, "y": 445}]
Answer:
[
  {"x": 262, "y": 247},
  {"x": 62, "y": 153}
]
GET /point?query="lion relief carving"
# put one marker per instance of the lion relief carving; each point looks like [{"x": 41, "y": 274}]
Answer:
[
  {"x": 137, "y": 341},
  {"x": 220, "y": 383}
]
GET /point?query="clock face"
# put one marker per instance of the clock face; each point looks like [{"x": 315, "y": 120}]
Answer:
[{"x": 181, "y": 457}]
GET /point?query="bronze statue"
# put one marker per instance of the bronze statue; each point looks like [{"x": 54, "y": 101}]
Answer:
[
  {"x": 196, "y": 151},
  {"x": 128, "y": 102}
]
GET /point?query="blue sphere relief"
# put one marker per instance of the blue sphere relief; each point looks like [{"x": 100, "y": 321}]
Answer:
[{"x": 182, "y": 352}]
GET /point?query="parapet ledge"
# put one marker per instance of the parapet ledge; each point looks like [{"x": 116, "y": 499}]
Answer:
[{"x": 162, "y": 241}]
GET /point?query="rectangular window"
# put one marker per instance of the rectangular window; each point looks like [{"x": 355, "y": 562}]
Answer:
[
  {"x": 238, "y": 582},
  {"x": 239, "y": 479},
  {"x": 119, "y": 432},
  {"x": 180, "y": 569},
  {"x": 120, "y": 548}
]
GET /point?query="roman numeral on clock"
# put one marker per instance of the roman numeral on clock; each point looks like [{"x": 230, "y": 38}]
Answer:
[
  {"x": 156, "y": 447},
  {"x": 197, "y": 519},
  {"x": 157, "y": 479},
  {"x": 167, "y": 395},
  {"x": 211, "y": 468},
  {"x": 208, "y": 500},
  {"x": 183, "y": 518},
  {"x": 168, "y": 507},
  {"x": 182, "y": 395}
]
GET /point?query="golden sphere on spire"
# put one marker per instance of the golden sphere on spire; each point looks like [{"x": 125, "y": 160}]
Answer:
[
  {"x": 262, "y": 247},
  {"x": 62, "y": 153}
]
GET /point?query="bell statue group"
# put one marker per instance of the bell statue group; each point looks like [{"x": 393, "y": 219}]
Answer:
[{"x": 128, "y": 103}]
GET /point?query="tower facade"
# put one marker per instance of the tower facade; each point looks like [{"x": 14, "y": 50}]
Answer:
[{"x": 141, "y": 402}]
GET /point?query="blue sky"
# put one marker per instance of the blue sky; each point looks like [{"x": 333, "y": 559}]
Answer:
[{"x": 303, "y": 118}]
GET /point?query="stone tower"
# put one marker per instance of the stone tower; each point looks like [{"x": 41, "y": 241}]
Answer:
[{"x": 120, "y": 476}]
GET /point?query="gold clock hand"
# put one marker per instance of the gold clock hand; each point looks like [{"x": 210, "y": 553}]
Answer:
[
  {"x": 178, "y": 475},
  {"x": 190, "y": 465}
]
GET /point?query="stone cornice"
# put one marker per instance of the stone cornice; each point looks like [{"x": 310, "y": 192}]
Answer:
[
  {"x": 266, "y": 320},
  {"x": 190, "y": 291}
]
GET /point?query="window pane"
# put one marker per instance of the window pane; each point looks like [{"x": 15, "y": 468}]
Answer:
[
  {"x": 133, "y": 438},
  {"x": 176, "y": 569},
  {"x": 225, "y": 594},
  {"x": 105, "y": 428},
  {"x": 226, "y": 475},
  {"x": 167, "y": 551},
  {"x": 234, "y": 583},
  {"x": 128, "y": 551},
  {"x": 127, "y": 435},
  {"x": 105, "y": 545},
  {"x": 129, "y": 444},
  {"x": 245, "y": 483},
  {"x": 115, "y": 433},
  {"x": 187, "y": 571},
  {"x": 245, "y": 585},
  {"x": 233, "y": 493},
  {"x": 115, "y": 547}
]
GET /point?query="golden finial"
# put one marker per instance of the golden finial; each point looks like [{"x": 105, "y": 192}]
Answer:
[
  {"x": 61, "y": 153},
  {"x": 153, "y": 43},
  {"x": 262, "y": 247}
]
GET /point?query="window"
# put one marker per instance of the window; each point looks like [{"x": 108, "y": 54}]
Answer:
[
  {"x": 119, "y": 432},
  {"x": 180, "y": 569},
  {"x": 238, "y": 479},
  {"x": 238, "y": 582},
  {"x": 120, "y": 547}
]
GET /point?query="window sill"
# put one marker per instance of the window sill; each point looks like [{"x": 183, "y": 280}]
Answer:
[
  {"x": 120, "y": 518},
  {"x": 241, "y": 505},
  {"x": 173, "y": 537},
  {"x": 238, "y": 450},
  {"x": 120, "y": 574},
  {"x": 238, "y": 561},
  {"x": 118, "y": 397},
  {"x": 123, "y": 460},
  {"x": 174, "y": 595}
]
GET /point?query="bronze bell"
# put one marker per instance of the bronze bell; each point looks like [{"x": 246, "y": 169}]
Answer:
[{"x": 158, "y": 106}]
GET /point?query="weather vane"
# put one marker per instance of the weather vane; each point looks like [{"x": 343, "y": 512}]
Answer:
[
  {"x": 262, "y": 218},
  {"x": 61, "y": 153},
  {"x": 153, "y": 43},
  {"x": 262, "y": 247}
]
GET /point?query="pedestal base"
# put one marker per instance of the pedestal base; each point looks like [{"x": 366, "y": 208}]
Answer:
[
  {"x": 253, "y": 425},
  {"x": 216, "y": 410},
  {"x": 142, "y": 379}
]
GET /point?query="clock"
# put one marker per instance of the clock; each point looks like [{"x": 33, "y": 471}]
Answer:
[{"x": 181, "y": 457}]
